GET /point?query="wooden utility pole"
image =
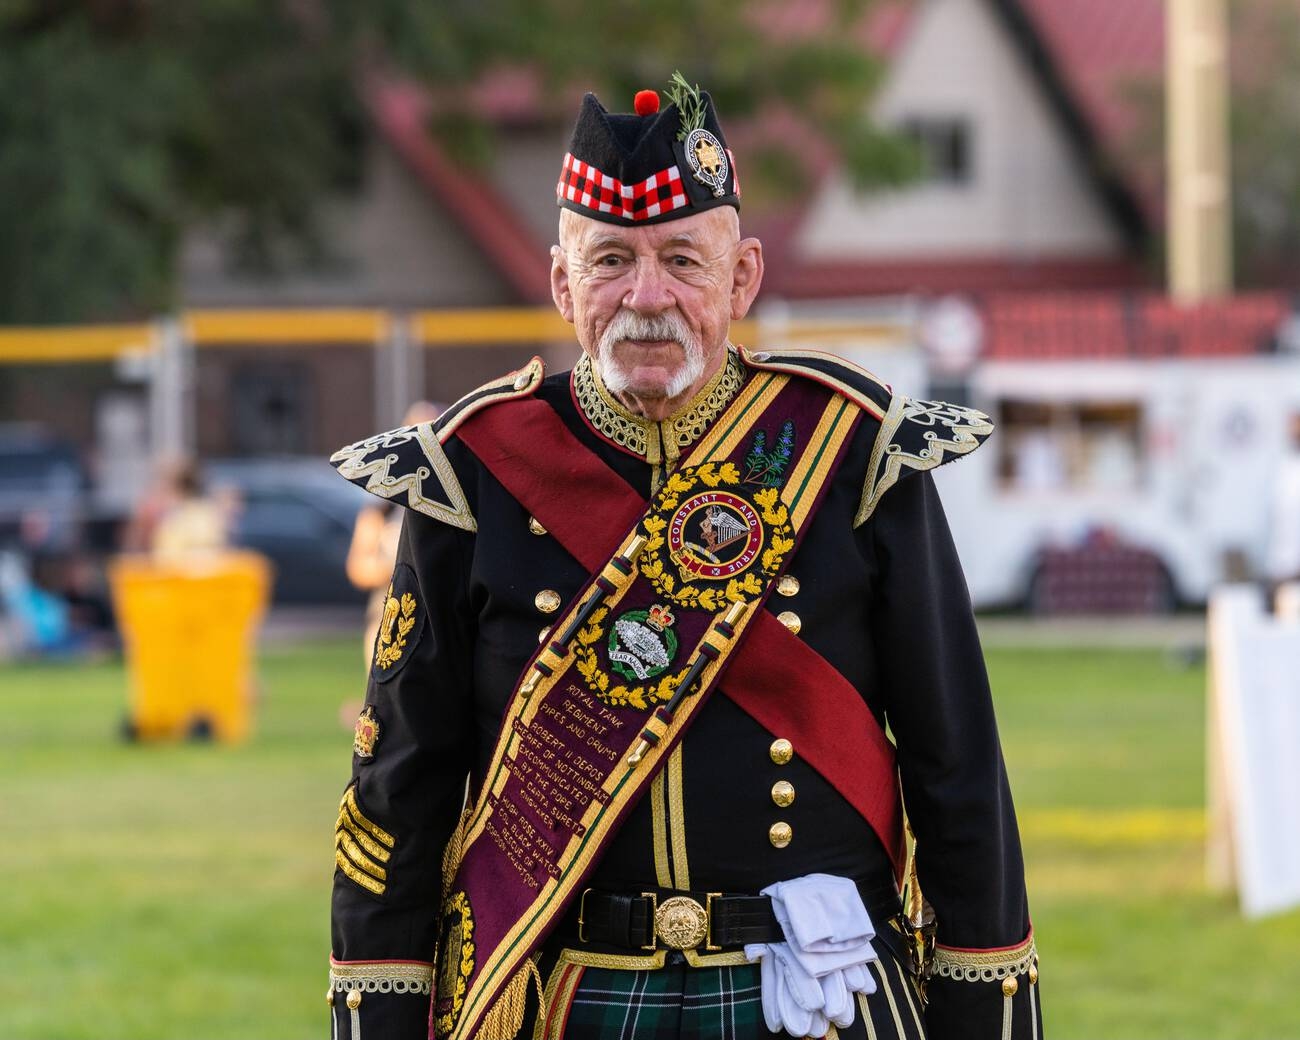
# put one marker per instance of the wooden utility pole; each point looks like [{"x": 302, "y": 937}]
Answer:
[{"x": 1196, "y": 142}]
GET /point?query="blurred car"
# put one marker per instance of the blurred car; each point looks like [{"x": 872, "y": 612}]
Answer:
[
  {"x": 300, "y": 514},
  {"x": 40, "y": 476}
]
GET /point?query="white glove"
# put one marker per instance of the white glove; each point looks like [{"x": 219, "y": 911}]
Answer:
[
  {"x": 792, "y": 999},
  {"x": 809, "y": 980}
]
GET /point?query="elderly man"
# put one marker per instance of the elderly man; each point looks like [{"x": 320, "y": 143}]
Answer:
[{"x": 656, "y": 613}]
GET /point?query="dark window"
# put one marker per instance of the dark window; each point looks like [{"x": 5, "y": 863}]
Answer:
[
  {"x": 269, "y": 403},
  {"x": 945, "y": 147}
]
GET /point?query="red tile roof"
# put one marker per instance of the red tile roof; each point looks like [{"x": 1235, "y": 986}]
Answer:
[
  {"x": 1063, "y": 326},
  {"x": 943, "y": 274},
  {"x": 400, "y": 111},
  {"x": 1102, "y": 49}
]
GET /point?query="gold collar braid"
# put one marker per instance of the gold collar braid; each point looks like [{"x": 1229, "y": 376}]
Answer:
[{"x": 657, "y": 442}]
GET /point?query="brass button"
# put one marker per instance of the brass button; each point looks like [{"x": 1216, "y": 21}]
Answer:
[
  {"x": 781, "y": 751},
  {"x": 522, "y": 380},
  {"x": 783, "y": 793},
  {"x": 779, "y": 834},
  {"x": 788, "y": 585},
  {"x": 791, "y": 621},
  {"x": 541, "y": 636},
  {"x": 329, "y": 996},
  {"x": 354, "y": 999},
  {"x": 1009, "y": 987},
  {"x": 760, "y": 356},
  {"x": 535, "y": 526},
  {"x": 547, "y": 601},
  {"x": 1033, "y": 974}
]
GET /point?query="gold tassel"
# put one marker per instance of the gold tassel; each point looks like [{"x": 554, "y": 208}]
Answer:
[
  {"x": 505, "y": 1018},
  {"x": 452, "y": 853}
]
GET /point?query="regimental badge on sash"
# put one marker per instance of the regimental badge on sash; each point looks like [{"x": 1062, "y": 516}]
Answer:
[{"x": 642, "y": 644}]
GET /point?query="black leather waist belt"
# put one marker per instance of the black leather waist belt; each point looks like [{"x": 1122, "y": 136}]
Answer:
[{"x": 702, "y": 921}]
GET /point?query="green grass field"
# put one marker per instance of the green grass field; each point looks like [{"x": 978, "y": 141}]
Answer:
[{"x": 182, "y": 891}]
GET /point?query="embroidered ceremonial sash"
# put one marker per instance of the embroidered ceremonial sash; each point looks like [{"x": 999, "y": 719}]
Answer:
[
  {"x": 541, "y": 467},
  {"x": 631, "y": 663}
]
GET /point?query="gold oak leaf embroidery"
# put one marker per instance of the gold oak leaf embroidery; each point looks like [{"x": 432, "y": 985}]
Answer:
[{"x": 394, "y": 627}]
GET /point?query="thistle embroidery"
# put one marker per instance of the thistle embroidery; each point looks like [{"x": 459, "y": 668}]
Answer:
[{"x": 767, "y": 468}]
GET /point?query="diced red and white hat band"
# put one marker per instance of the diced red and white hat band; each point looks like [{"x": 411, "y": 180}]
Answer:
[{"x": 583, "y": 184}]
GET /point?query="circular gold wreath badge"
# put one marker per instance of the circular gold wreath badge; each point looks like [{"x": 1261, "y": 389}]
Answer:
[{"x": 710, "y": 543}]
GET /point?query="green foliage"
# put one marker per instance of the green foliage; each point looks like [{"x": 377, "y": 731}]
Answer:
[
  {"x": 690, "y": 104},
  {"x": 124, "y": 123},
  {"x": 1263, "y": 125}
]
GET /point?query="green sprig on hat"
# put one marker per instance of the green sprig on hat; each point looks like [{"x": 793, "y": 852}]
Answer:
[{"x": 689, "y": 104}]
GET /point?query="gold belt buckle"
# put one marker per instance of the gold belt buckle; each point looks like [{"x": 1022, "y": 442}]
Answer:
[{"x": 680, "y": 922}]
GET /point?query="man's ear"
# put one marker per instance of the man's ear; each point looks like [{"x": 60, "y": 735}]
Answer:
[
  {"x": 560, "y": 284},
  {"x": 746, "y": 276}
]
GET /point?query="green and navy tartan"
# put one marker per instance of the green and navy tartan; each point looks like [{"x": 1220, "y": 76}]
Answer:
[
  {"x": 684, "y": 1003},
  {"x": 690, "y": 1003}
]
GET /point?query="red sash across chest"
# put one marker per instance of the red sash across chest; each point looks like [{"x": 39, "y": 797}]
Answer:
[{"x": 775, "y": 677}]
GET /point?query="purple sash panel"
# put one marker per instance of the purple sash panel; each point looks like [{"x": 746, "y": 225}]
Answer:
[{"x": 603, "y": 701}]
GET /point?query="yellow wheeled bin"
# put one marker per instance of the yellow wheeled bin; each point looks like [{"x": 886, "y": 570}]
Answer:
[{"x": 189, "y": 629}]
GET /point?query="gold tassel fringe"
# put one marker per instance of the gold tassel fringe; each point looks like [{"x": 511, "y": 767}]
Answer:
[
  {"x": 505, "y": 1018},
  {"x": 452, "y": 853}
]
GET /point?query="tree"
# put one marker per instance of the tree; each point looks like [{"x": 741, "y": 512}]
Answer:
[
  {"x": 1263, "y": 126},
  {"x": 124, "y": 122}
]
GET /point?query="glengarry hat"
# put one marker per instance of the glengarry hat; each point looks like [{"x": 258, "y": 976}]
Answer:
[{"x": 650, "y": 165}]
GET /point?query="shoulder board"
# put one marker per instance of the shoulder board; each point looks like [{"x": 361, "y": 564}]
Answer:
[
  {"x": 844, "y": 377},
  {"x": 522, "y": 382},
  {"x": 918, "y": 435},
  {"x": 409, "y": 466}
]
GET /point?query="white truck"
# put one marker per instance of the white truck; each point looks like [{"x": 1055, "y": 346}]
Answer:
[{"x": 1194, "y": 460}]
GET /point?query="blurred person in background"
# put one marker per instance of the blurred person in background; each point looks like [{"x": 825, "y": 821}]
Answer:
[
  {"x": 188, "y": 522},
  {"x": 580, "y": 558},
  {"x": 372, "y": 554},
  {"x": 374, "y": 543}
]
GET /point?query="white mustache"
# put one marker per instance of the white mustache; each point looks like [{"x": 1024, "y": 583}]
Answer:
[
  {"x": 662, "y": 327},
  {"x": 666, "y": 327}
]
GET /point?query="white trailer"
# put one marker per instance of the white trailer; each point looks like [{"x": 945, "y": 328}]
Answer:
[{"x": 1181, "y": 457}]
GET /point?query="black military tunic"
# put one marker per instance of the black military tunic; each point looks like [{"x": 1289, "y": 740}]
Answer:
[{"x": 875, "y": 588}]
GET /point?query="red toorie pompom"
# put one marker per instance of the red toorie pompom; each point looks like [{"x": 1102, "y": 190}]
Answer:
[{"x": 646, "y": 102}]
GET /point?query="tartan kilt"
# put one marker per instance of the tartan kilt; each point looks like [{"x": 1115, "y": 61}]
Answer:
[{"x": 678, "y": 1002}]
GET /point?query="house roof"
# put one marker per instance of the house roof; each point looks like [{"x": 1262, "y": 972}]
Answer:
[
  {"x": 400, "y": 110},
  {"x": 1087, "y": 55},
  {"x": 1048, "y": 326},
  {"x": 1093, "y": 58}
]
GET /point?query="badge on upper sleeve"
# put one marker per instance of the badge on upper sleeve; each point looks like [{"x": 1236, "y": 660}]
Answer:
[
  {"x": 366, "y": 733},
  {"x": 400, "y": 627}
]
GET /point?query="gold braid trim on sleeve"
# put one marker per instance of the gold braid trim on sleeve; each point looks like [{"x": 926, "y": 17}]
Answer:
[
  {"x": 381, "y": 976},
  {"x": 985, "y": 965}
]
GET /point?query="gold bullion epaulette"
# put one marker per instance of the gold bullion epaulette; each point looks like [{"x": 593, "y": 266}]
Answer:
[
  {"x": 918, "y": 435},
  {"x": 409, "y": 466},
  {"x": 844, "y": 377}
]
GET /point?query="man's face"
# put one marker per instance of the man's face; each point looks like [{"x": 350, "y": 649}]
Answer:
[{"x": 652, "y": 304}]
